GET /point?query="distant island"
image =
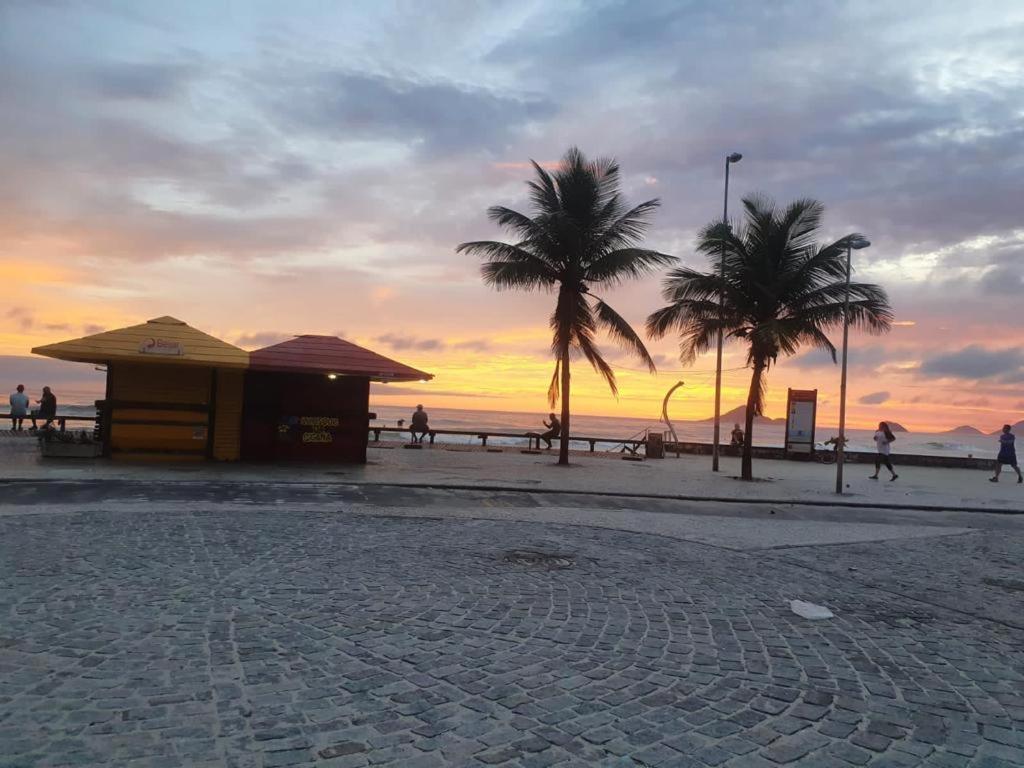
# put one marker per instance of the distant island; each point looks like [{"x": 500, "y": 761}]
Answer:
[
  {"x": 964, "y": 429},
  {"x": 1018, "y": 428},
  {"x": 738, "y": 415}
]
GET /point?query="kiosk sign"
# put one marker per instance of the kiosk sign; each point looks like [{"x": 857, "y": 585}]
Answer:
[
  {"x": 801, "y": 410},
  {"x": 154, "y": 346},
  {"x": 316, "y": 430}
]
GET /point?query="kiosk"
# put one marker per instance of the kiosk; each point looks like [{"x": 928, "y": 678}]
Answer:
[
  {"x": 309, "y": 399},
  {"x": 176, "y": 393},
  {"x": 173, "y": 392}
]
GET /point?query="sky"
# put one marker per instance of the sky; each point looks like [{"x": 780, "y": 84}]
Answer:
[{"x": 263, "y": 169}]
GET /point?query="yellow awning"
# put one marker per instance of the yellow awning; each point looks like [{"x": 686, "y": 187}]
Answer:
[{"x": 165, "y": 340}]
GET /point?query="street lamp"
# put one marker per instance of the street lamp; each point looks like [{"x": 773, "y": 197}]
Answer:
[
  {"x": 854, "y": 244},
  {"x": 735, "y": 157}
]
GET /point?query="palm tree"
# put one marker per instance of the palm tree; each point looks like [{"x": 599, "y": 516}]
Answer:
[
  {"x": 581, "y": 235},
  {"x": 781, "y": 290}
]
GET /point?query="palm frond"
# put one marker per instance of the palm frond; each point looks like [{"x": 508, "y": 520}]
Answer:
[
  {"x": 543, "y": 192},
  {"x": 628, "y": 228},
  {"x": 626, "y": 263},
  {"x": 516, "y": 275},
  {"x": 597, "y": 361},
  {"x": 553, "y": 387},
  {"x": 622, "y": 332}
]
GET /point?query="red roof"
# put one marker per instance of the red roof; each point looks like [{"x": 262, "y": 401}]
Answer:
[{"x": 329, "y": 354}]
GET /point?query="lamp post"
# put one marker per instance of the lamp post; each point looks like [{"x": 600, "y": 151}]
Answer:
[
  {"x": 735, "y": 157},
  {"x": 855, "y": 244}
]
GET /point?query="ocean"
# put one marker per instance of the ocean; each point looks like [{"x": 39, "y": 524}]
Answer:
[{"x": 977, "y": 446}]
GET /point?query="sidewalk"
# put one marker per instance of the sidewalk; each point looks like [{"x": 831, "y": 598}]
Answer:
[{"x": 686, "y": 477}]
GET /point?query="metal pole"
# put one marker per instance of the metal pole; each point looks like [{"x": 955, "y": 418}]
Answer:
[
  {"x": 841, "y": 448},
  {"x": 721, "y": 316}
]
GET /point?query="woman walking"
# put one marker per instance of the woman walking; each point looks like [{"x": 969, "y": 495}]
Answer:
[
  {"x": 883, "y": 440},
  {"x": 1007, "y": 455}
]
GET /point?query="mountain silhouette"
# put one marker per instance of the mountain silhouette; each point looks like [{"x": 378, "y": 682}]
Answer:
[
  {"x": 964, "y": 429},
  {"x": 738, "y": 415},
  {"x": 1017, "y": 428}
]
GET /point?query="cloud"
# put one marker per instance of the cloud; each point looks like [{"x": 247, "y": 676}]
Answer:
[
  {"x": 145, "y": 81},
  {"x": 874, "y": 398},
  {"x": 72, "y": 382},
  {"x": 261, "y": 339},
  {"x": 973, "y": 402},
  {"x": 400, "y": 343},
  {"x": 379, "y": 389},
  {"x": 1003, "y": 281},
  {"x": 92, "y": 328},
  {"x": 433, "y": 114},
  {"x": 474, "y": 345},
  {"x": 976, "y": 362},
  {"x": 22, "y": 317}
]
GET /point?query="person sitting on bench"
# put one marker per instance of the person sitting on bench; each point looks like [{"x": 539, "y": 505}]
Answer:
[
  {"x": 47, "y": 410},
  {"x": 554, "y": 430},
  {"x": 419, "y": 425}
]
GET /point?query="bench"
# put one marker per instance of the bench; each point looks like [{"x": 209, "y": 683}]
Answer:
[{"x": 632, "y": 445}]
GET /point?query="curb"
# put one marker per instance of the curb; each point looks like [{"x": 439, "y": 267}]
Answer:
[{"x": 550, "y": 492}]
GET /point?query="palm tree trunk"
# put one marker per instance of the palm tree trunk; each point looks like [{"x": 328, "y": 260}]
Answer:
[
  {"x": 753, "y": 406},
  {"x": 563, "y": 445}
]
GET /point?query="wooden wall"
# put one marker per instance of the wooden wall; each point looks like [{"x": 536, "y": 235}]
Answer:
[
  {"x": 159, "y": 410},
  {"x": 227, "y": 427},
  {"x": 307, "y": 417}
]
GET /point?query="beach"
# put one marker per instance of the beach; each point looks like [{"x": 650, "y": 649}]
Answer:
[{"x": 920, "y": 443}]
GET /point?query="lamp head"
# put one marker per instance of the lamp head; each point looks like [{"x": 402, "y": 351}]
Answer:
[
  {"x": 735, "y": 157},
  {"x": 859, "y": 242}
]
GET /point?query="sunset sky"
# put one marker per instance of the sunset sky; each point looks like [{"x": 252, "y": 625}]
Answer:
[{"x": 265, "y": 169}]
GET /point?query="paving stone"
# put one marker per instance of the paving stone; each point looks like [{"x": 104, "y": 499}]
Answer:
[{"x": 291, "y": 637}]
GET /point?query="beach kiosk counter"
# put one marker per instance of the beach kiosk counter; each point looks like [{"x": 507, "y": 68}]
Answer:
[{"x": 176, "y": 393}]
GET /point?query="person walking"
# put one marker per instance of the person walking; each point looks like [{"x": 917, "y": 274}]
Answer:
[
  {"x": 1007, "y": 454},
  {"x": 47, "y": 409},
  {"x": 883, "y": 441},
  {"x": 19, "y": 408},
  {"x": 418, "y": 425}
]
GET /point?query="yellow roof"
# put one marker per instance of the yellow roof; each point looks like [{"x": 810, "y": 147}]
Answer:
[{"x": 165, "y": 340}]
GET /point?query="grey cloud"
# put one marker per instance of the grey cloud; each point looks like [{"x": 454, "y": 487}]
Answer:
[
  {"x": 973, "y": 402},
  {"x": 443, "y": 116},
  {"x": 422, "y": 394},
  {"x": 400, "y": 343},
  {"x": 34, "y": 372},
  {"x": 1003, "y": 281},
  {"x": 874, "y": 398},
  {"x": 146, "y": 81},
  {"x": 977, "y": 362},
  {"x": 474, "y": 345},
  {"x": 91, "y": 328},
  {"x": 22, "y": 317}
]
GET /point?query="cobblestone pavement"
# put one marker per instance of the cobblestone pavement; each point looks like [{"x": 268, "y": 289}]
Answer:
[{"x": 274, "y": 638}]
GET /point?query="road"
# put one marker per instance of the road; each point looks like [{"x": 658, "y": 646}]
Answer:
[{"x": 268, "y": 624}]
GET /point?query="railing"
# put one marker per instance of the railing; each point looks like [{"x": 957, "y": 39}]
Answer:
[
  {"x": 630, "y": 444},
  {"x": 60, "y": 420}
]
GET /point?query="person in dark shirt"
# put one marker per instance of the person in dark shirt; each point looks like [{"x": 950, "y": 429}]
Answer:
[
  {"x": 47, "y": 409},
  {"x": 1007, "y": 454},
  {"x": 554, "y": 429},
  {"x": 419, "y": 425}
]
